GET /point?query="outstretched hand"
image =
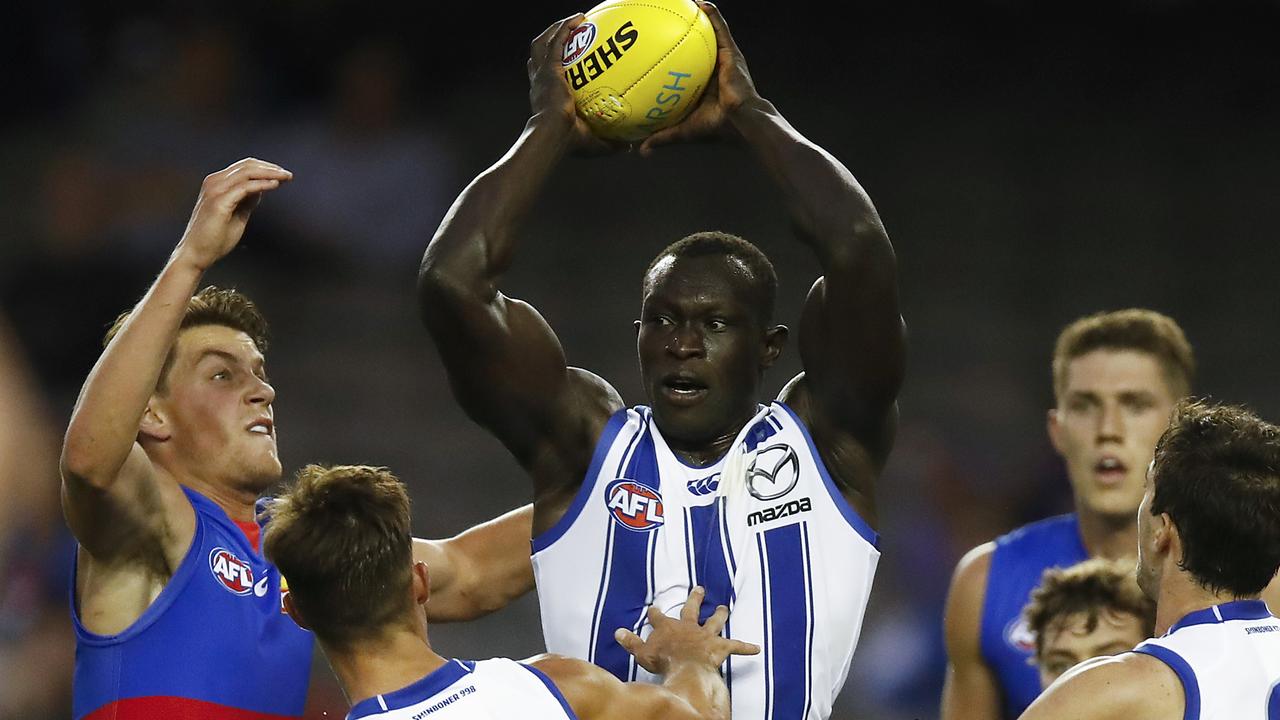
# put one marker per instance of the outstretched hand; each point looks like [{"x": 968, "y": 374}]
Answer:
[
  {"x": 730, "y": 86},
  {"x": 227, "y": 199},
  {"x": 674, "y": 642},
  {"x": 549, "y": 94}
]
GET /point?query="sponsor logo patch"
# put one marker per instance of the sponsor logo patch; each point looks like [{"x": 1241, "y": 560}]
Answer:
[
  {"x": 704, "y": 486},
  {"x": 774, "y": 472},
  {"x": 233, "y": 573},
  {"x": 633, "y": 506},
  {"x": 1019, "y": 636}
]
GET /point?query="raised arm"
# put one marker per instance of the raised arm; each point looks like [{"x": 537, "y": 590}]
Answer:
[
  {"x": 686, "y": 654},
  {"x": 115, "y": 503},
  {"x": 505, "y": 364},
  {"x": 852, "y": 338},
  {"x": 478, "y": 571}
]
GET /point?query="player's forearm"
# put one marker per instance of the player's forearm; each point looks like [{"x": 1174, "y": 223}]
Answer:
[
  {"x": 477, "y": 240},
  {"x": 104, "y": 423},
  {"x": 828, "y": 207},
  {"x": 701, "y": 687}
]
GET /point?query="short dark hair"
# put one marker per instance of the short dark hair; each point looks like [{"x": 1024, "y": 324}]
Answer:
[
  {"x": 1217, "y": 475},
  {"x": 1089, "y": 587},
  {"x": 1145, "y": 331},
  {"x": 211, "y": 306},
  {"x": 340, "y": 537},
  {"x": 715, "y": 242}
]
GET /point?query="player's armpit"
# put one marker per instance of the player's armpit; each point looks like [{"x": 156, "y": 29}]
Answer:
[
  {"x": 594, "y": 694},
  {"x": 971, "y": 691},
  {"x": 480, "y": 570}
]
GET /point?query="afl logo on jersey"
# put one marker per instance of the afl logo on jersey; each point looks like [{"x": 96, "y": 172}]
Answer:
[
  {"x": 1019, "y": 636},
  {"x": 234, "y": 574},
  {"x": 578, "y": 43},
  {"x": 774, "y": 472},
  {"x": 633, "y": 506}
]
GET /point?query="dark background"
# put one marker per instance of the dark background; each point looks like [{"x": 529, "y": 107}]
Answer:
[{"x": 1032, "y": 162}]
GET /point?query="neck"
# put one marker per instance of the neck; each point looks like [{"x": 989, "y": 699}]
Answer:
[
  {"x": 1181, "y": 594},
  {"x": 398, "y": 658},
  {"x": 706, "y": 452},
  {"x": 1108, "y": 536}
]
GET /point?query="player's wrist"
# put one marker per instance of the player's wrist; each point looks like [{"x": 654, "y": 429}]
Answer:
[{"x": 751, "y": 113}]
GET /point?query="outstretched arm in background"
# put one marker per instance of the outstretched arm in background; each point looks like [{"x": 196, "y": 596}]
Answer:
[{"x": 479, "y": 571}]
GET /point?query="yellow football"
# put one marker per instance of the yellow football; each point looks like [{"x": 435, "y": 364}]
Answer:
[{"x": 637, "y": 66}]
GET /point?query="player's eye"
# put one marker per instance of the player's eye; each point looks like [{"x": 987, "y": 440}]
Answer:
[
  {"x": 222, "y": 375},
  {"x": 716, "y": 325}
]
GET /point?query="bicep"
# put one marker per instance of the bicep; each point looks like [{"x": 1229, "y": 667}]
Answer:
[
  {"x": 595, "y": 694},
  {"x": 480, "y": 570},
  {"x": 970, "y": 690}
]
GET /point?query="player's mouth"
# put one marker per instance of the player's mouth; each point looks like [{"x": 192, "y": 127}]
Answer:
[
  {"x": 1110, "y": 470},
  {"x": 262, "y": 426},
  {"x": 683, "y": 389}
]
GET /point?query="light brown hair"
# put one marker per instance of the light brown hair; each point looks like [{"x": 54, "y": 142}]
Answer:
[
  {"x": 211, "y": 306},
  {"x": 340, "y": 537},
  {"x": 1145, "y": 331},
  {"x": 1090, "y": 587}
]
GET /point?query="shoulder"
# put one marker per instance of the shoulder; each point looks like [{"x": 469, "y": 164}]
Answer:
[
  {"x": 854, "y": 455},
  {"x": 1129, "y": 686},
  {"x": 966, "y": 596},
  {"x": 1058, "y": 526}
]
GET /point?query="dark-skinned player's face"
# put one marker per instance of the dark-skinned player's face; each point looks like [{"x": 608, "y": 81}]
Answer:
[{"x": 703, "y": 345}]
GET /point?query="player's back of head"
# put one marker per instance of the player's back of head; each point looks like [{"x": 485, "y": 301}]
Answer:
[
  {"x": 341, "y": 538},
  {"x": 1135, "y": 329},
  {"x": 1217, "y": 474}
]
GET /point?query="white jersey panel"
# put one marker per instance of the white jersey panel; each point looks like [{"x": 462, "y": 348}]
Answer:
[
  {"x": 1228, "y": 658},
  {"x": 764, "y": 530},
  {"x": 461, "y": 690}
]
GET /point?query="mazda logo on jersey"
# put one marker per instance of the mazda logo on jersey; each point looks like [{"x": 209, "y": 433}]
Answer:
[
  {"x": 774, "y": 472},
  {"x": 234, "y": 574},
  {"x": 633, "y": 506}
]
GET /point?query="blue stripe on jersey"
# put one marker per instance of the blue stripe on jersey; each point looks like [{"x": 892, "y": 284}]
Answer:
[
  {"x": 788, "y": 606},
  {"x": 850, "y": 515},
  {"x": 626, "y": 591},
  {"x": 1190, "y": 687},
  {"x": 766, "y": 649},
  {"x": 568, "y": 711},
  {"x": 430, "y": 684},
  {"x": 1235, "y": 610},
  {"x": 611, "y": 430},
  {"x": 711, "y": 568},
  {"x": 808, "y": 577}
]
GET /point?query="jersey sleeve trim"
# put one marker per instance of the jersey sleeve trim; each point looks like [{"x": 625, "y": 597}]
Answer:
[
  {"x": 603, "y": 445},
  {"x": 1190, "y": 687},
  {"x": 568, "y": 711},
  {"x": 172, "y": 589},
  {"x": 431, "y": 684},
  {"x": 850, "y": 515}
]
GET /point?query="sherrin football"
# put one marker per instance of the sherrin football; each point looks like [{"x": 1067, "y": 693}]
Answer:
[{"x": 637, "y": 66}]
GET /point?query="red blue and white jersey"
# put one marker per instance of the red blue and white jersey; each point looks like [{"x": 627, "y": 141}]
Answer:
[
  {"x": 214, "y": 645},
  {"x": 1228, "y": 659},
  {"x": 470, "y": 690},
  {"x": 764, "y": 530}
]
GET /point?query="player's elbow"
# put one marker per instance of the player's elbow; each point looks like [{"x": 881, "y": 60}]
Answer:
[{"x": 80, "y": 462}]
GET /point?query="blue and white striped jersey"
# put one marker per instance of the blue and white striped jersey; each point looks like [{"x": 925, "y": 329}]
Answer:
[
  {"x": 764, "y": 530},
  {"x": 471, "y": 690},
  {"x": 1228, "y": 658}
]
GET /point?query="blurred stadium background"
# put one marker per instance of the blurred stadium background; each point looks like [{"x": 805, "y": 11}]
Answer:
[{"x": 1033, "y": 162}]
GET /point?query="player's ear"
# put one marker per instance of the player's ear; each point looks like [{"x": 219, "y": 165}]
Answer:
[
  {"x": 775, "y": 339},
  {"x": 155, "y": 421},
  {"x": 1054, "y": 426},
  {"x": 1165, "y": 533},
  {"x": 421, "y": 583},
  {"x": 292, "y": 609}
]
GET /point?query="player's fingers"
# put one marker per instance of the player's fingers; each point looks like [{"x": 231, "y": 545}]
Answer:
[
  {"x": 655, "y": 616},
  {"x": 716, "y": 622},
  {"x": 662, "y": 137},
  {"x": 738, "y": 647},
  {"x": 693, "y": 604},
  {"x": 628, "y": 640},
  {"x": 234, "y": 196},
  {"x": 553, "y": 39},
  {"x": 724, "y": 39}
]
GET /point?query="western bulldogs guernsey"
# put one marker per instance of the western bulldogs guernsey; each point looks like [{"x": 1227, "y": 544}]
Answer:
[
  {"x": 1228, "y": 658},
  {"x": 764, "y": 530},
  {"x": 214, "y": 644},
  {"x": 1019, "y": 561},
  {"x": 462, "y": 690}
]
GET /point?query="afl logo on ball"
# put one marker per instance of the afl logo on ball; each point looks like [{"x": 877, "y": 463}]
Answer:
[
  {"x": 634, "y": 506},
  {"x": 234, "y": 574},
  {"x": 578, "y": 43}
]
